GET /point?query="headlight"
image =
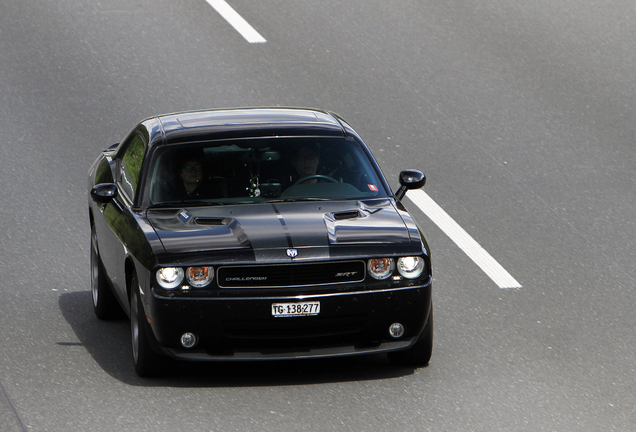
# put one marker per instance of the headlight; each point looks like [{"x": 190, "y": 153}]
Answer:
[
  {"x": 410, "y": 267},
  {"x": 199, "y": 277},
  {"x": 170, "y": 277},
  {"x": 381, "y": 268}
]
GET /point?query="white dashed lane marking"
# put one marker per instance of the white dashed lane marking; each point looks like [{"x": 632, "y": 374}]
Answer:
[
  {"x": 237, "y": 21},
  {"x": 478, "y": 254}
]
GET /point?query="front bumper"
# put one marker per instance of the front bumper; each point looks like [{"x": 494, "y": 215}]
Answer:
[{"x": 349, "y": 323}]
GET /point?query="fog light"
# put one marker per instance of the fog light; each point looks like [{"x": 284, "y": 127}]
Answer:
[
  {"x": 188, "y": 340},
  {"x": 396, "y": 330}
]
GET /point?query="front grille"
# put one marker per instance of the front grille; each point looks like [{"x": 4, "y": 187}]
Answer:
[{"x": 290, "y": 275}]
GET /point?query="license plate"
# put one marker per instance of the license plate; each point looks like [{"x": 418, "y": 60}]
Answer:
[{"x": 296, "y": 309}]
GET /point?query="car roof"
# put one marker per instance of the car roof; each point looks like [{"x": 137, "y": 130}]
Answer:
[{"x": 248, "y": 123}]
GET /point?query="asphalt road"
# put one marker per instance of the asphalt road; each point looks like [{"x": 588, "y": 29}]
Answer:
[{"x": 522, "y": 115}]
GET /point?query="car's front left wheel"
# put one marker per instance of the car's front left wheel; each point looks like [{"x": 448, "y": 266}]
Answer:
[{"x": 147, "y": 362}]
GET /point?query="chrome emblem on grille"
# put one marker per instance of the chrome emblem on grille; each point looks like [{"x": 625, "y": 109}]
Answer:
[{"x": 292, "y": 253}]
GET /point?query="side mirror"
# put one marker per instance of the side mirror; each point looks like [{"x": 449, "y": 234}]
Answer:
[
  {"x": 410, "y": 179},
  {"x": 104, "y": 193}
]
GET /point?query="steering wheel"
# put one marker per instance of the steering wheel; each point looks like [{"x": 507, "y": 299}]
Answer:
[{"x": 318, "y": 177}]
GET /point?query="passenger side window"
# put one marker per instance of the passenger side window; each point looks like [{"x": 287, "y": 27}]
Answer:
[{"x": 130, "y": 166}]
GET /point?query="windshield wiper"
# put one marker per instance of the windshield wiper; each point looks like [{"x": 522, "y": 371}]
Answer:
[
  {"x": 185, "y": 203},
  {"x": 297, "y": 199}
]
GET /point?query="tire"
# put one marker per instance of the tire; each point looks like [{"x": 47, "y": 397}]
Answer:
[
  {"x": 147, "y": 362},
  {"x": 104, "y": 302},
  {"x": 419, "y": 354}
]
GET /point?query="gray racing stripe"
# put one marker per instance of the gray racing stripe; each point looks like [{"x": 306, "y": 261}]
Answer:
[{"x": 281, "y": 219}]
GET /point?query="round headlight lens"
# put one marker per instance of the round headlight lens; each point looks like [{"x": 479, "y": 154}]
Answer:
[
  {"x": 199, "y": 277},
  {"x": 170, "y": 277},
  {"x": 381, "y": 268},
  {"x": 410, "y": 267}
]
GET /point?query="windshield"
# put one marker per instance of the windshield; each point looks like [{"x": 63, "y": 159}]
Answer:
[{"x": 259, "y": 170}]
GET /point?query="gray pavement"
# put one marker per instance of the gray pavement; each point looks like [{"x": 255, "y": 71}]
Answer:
[{"x": 521, "y": 114}]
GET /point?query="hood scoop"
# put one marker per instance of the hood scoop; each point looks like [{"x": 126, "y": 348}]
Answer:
[
  {"x": 361, "y": 212},
  {"x": 366, "y": 224},
  {"x": 187, "y": 218},
  {"x": 187, "y": 230},
  {"x": 210, "y": 221},
  {"x": 346, "y": 215}
]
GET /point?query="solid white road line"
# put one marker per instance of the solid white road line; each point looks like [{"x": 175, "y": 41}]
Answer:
[
  {"x": 237, "y": 21},
  {"x": 465, "y": 242}
]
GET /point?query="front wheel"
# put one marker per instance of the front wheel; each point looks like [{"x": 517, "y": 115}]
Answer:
[
  {"x": 420, "y": 353},
  {"x": 147, "y": 362}
]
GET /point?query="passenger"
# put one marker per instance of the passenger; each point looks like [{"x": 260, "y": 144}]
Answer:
[{"x": 193, "y": 183}]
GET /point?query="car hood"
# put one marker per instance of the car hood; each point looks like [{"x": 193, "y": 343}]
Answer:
[{"x": 265, "y": 232}]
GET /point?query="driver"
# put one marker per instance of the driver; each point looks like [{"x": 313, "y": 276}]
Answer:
[{"x": 305, "y": 161}]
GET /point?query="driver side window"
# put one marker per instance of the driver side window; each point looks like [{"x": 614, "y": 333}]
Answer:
[{"x": 130, "y": 166}]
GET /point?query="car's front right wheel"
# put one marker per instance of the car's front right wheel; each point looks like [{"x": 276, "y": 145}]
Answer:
[{"x": 147, "y": 362}]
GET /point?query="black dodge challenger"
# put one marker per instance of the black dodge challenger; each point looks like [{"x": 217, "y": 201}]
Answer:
[{"x": 256, "y": 234}]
